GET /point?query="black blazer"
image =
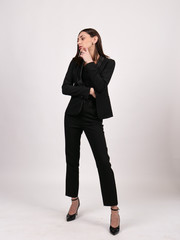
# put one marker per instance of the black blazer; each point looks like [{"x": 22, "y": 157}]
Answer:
[{"x": 100, "y": 75}]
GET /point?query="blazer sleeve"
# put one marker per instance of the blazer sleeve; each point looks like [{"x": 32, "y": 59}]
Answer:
[
  {"x": 100, "y": 80},
  {"x": 74, "y": 90}
]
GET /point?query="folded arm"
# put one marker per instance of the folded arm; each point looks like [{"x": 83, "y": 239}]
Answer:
[
  {"x": 100, "y": 80},
  {"x": 69, "y": 89}
]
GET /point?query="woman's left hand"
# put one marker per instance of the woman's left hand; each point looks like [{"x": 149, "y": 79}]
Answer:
[
  {"x": 92, "y": 92},
  {"x": 84, "y": 53}
]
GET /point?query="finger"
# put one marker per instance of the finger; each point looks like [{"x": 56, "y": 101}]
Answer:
[{"x": 81, "y": 54}]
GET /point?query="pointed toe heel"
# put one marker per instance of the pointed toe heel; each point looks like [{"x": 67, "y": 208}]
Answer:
[
  {"x": 114, "y": 230},
  {"x": 73, "y": 216}
]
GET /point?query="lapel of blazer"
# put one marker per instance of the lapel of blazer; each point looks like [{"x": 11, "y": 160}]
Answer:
[
  {"x": 79, "y": 73},
  {"x": 101, "y": 58}
]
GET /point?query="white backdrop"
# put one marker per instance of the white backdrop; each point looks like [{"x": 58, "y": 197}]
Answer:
[{"x": 38, "y": 40}]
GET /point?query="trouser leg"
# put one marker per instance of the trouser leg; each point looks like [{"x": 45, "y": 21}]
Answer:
[
  {"x": 96, "y": 138},
  {"x": 72, "y": 150}
]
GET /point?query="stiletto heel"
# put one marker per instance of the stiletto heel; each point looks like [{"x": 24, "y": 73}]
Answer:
[
  {"x": 73, "y": 216},
  {"x": 116, "y": 229}
]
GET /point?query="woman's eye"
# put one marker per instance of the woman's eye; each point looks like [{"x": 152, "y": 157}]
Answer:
[{"x": 81, "y": 39}]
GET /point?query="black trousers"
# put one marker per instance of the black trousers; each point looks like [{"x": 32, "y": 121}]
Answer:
[{"x": 88, "y": 122}]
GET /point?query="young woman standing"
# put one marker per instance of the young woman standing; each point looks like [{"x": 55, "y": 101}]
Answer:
[{"x": 86, "y": 81}]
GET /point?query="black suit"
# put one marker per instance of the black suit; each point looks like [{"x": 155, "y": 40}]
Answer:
[
  {"x": 100, "y": 75},
  {"x": 86, "y": 113}
]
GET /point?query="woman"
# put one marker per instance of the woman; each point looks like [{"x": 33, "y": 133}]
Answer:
[{"x": 86, "y": 81}]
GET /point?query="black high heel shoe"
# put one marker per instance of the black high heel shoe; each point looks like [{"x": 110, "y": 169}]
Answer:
[
  {"x": 116, "y": 229},
  {"x": 73, "y": 216}
]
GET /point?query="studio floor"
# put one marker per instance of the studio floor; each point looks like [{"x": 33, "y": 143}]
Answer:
[{"x": 37, "y": 212}]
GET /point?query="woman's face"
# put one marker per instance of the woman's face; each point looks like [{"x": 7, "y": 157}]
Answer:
[{"x": 85, "y": 40}]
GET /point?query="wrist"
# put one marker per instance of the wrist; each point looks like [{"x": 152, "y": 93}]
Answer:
[{"x": 89, "y": 61}]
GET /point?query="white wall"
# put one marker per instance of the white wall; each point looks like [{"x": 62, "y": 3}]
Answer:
[{"x": 38, "y": 39}]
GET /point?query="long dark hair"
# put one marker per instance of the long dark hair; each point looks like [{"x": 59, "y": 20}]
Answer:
[{"x": 98, "y": 46}]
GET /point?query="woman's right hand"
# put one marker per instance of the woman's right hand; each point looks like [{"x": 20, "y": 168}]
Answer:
[{"x": 92, "y": 92}]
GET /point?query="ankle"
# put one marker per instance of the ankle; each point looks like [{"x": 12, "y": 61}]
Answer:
[
  {"x": 74, "y": 198},
  {"x": 114, "y": 208}
]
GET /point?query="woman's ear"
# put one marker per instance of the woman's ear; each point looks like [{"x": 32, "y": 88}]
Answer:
[{"x": 96, "y": 39}]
